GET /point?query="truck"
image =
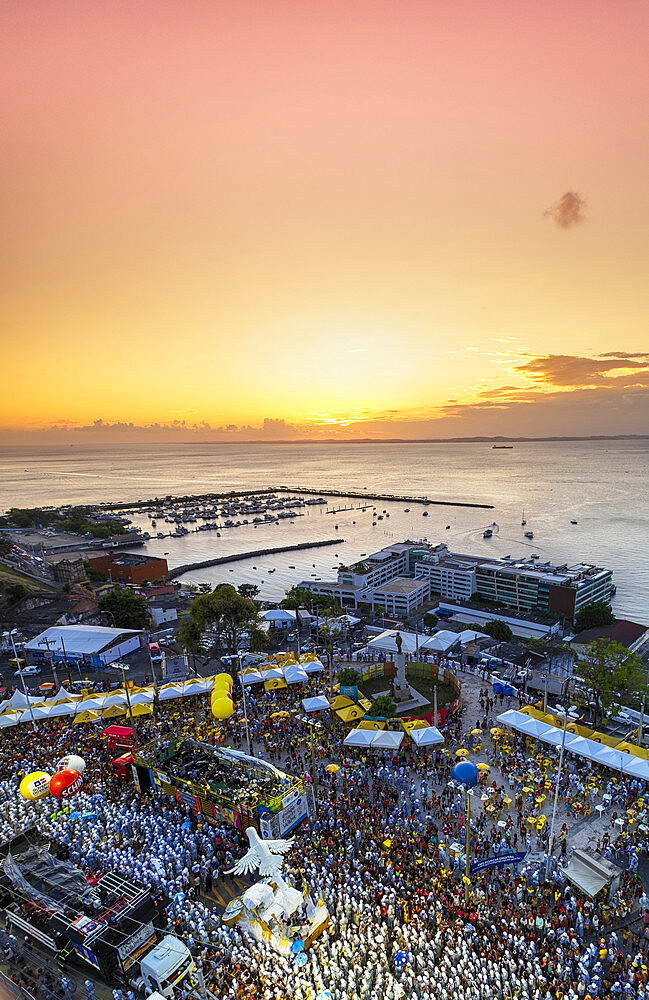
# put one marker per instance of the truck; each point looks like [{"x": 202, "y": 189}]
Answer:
[{"x": 112, "y": 925}]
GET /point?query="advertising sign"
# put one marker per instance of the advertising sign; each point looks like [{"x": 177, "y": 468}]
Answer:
[
  {"x": 188, "y": 799},
  {"x": 292, "y": 814},
  {"x": 498, "y": 861},
  {"x": 136, "y": 945}
]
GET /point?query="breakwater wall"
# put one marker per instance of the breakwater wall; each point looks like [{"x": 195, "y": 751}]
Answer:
[
  {"x": 255, "y": 553},
  {"x": 392, "y": 497}
]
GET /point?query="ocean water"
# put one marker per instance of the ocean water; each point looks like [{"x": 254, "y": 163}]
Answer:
[{"x": 601, "y": 484}]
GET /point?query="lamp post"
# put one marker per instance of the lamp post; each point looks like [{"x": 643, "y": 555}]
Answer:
[
  {"x": 466, "y": 774},
  {"x": 245, "y": 706},
  {"x": 18, "y": 661},
  {"x": 556, "y": 795}
]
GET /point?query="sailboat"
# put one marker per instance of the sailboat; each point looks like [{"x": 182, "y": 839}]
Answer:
[{"x": 523, "y": 521}]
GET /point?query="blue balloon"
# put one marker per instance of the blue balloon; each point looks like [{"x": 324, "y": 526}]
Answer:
[{"x": 465, "y": 773}]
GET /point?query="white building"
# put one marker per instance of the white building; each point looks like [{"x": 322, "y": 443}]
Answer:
[
  {"x": 449, "y": 574},
  {"x": 400, "y": 597},
  {"x": 92, "y": 645}
]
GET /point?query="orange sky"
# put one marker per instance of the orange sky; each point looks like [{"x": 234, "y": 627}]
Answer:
[{"x": 327, "y": 214}]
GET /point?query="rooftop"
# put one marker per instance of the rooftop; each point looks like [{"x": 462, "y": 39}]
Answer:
[
  {"x": 625, "y": 632},
  {"x": 401, "y": 586}
]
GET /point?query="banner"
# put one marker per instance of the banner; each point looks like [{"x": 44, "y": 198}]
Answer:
[{"x": 498, "y": 861}]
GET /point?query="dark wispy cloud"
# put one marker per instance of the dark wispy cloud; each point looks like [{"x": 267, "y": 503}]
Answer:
[
  {"x": 568, "y": 211},
  {"x": 575, "y": 370}
]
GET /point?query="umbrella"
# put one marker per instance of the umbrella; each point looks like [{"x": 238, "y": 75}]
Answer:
[
  {"x": 280, "y": 715},
  {"x": 461, "y": 752},
  {"x": 476, "y": 732},
  {"x": 483, "y": 767},
  {"x": 332, "y": 768},
  {"x": 496, "y": 731},
  {"x": 89, "y": 716}
]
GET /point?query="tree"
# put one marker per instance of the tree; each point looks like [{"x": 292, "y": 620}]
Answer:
[
  {"x": 227, "y": 612},
  {"x": 383, "y": 707},
  {"x": 190, "y": 639},
  {"x": 6, "y": 546},
  {"x": 611, "y": 674},
  {"x": 597, "y": 614},
  {"x": 248, "y": 590},
  {"x": 349, "y": 677},
  {"x": 497, "y": 630},
  {"x": 430, "y": 620},
  {"x": 257, "y": 639},
  {"x": 126, "y": 609}
]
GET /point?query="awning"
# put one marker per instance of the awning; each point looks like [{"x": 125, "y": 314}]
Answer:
[{"x": 387, "y": 740}]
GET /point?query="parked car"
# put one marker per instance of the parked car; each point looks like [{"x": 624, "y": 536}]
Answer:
[{"x": 28, "y": 671}]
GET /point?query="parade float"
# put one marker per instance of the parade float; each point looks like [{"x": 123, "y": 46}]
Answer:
[{"x": 273, "y": 910}]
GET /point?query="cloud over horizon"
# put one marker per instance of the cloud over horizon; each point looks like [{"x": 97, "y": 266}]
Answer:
[{"x": 568, "y": 211}]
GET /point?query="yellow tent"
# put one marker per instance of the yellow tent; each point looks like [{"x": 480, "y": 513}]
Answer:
[
  {"x": 371, "y": 724},
  {"x": 340, "y": 701},
  {"x": 86, "y": 717},
  {"x": 275, "y": 684},
  {"x": 364, "y": 702},
  {"x": 350, "y": 713},
  {"x": 142, "y": 710},
  {"x": 113, "y": 711},
  {"x": 409, "y": 724}
]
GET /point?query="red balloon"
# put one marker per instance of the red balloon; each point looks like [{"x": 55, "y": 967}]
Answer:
[{"x": 64, "y": 784}]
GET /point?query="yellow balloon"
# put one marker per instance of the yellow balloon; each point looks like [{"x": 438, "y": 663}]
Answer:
[
  {"x": 222, "y": 708},
  {"x": 35, "y": 785},
  {"x": 223, "y": 679}
]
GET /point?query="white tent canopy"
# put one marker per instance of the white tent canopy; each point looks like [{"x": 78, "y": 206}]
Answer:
[
  {"x": 295, "y": 674},
  {"x": 313, "y": 666},
  {"x": 251, "y": 677},
  {"x": 384, "y": 739},
  {"x": 582, "y": 747},
  {"x": 427, "y": 737},
  {"x": 317, "y": 704},
  {"x": 359, "y": 738}
]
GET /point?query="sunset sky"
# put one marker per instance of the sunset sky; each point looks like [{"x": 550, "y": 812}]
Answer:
[{"x": 386, "y": 219}]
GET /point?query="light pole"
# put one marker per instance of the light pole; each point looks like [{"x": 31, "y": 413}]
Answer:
[
  {"x": 124, "y": 667},
  {"x": 466, "y": 774},
  {"x": 46, "y": 643},
  {"x": 245, "y": 706},
  {"x": 556, "y": 795},
  {"x": 22, "y": 678}
]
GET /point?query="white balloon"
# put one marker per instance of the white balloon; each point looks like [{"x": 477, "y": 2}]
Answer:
[{"x": 71, "y": 763}]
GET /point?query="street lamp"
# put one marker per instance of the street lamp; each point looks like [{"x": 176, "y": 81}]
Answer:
[
  {"x": 556, "y": 794},
  {"x": 124, "y": 667},
  {"x": 18, "y": 661},
  {"x": 466, "y": 774}
]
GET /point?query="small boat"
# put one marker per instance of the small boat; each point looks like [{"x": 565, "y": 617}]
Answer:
[
  {"x": 501, "y": 446},
  {"x": 529, "y": 534},
  {"x": 291, "y": 567},
  {"x": 406, "y": 510},
  {"x": 573, "y": 522},
  {"x": 523, "y": 521},
  {"x": 374, "y": 524},
  {"x": 448, "y": 527},
  {"x": 425, "y": 513},
  {"x": 487, "y": 533}
]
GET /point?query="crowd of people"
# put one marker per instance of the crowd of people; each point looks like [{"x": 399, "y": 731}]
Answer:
[{"x": 382, "y": 851}]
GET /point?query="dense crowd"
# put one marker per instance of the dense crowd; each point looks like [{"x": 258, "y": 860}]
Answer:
[{"x": 382, "y": 852}]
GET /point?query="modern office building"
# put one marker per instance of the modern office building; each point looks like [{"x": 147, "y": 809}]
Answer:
[
  {"x": 524, "y": 584},
  {"x": 554, "y": 590}
]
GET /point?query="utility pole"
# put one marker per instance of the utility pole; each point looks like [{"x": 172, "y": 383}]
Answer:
[
  {"x": 67, "y": 665},
  {"x": 556, "y": 796},
  {"x": 46, "y": 642},
  {"x": 467, "y": 845},
  {"x": 245, "y": 706},
  {"x": 18, "y": 661},
  {"x": 641, "y": 726},
  {"x": 435, "y": 704}
]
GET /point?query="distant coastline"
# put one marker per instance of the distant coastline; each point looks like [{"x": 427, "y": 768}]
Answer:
[{"x": 121, "y": 442}]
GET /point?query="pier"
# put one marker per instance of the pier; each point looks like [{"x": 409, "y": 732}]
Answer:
[
  {"x": 255, "y": 553},
  {"x": 390, "y": 497}
]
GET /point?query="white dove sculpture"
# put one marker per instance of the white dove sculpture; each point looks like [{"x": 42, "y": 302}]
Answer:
[{"x": 263, "y": 856}]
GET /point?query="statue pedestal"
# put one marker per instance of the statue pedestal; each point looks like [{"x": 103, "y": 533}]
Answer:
[{"x": 402, "y": 691}]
